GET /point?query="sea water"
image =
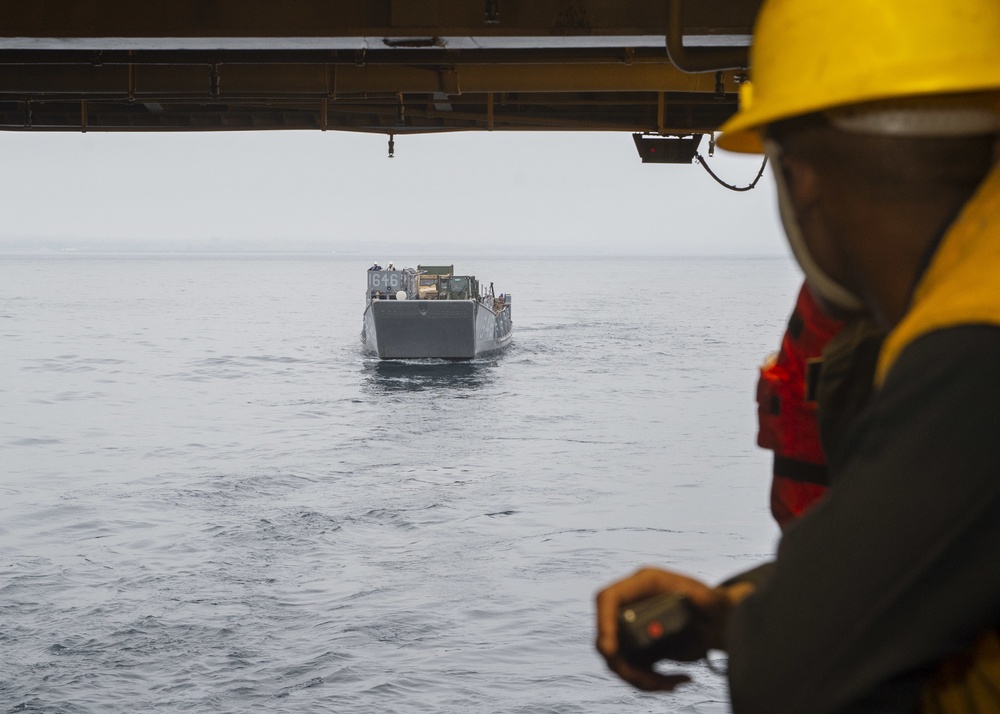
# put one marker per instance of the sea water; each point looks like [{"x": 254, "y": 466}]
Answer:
[{"x": 212, "y": 501}]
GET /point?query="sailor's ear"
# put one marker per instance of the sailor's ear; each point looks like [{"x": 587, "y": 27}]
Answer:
[{"x": 803, "y": 180}]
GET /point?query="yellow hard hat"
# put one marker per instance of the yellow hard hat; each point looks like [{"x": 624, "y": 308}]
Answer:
[{"x": 815, "y": 55}]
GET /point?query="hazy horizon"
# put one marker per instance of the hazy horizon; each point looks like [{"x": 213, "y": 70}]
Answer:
[{"x": 481, "y": 193}]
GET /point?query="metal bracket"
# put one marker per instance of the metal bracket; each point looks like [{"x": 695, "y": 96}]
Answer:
[
  {"x": 699, "y": 59},
  {"x": 492, "y": 12}
]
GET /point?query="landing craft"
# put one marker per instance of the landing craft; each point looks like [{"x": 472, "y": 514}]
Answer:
[{"x": 429, "y": 312}]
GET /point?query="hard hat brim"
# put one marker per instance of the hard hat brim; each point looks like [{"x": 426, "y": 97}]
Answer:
[{"x": 740, "y": 141}]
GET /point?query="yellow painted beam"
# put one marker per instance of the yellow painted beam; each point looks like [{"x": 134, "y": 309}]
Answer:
[{"x": 136, "y": 82}]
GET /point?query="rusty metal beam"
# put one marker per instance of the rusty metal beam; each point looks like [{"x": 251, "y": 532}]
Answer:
[
  {"x": 532, "y": 56},
  {"x": 396, "y": 66},
  {"x": 134, "y": 83},
  {"x": 601, "y": 111},
  {"x": 344, "y": 24}
]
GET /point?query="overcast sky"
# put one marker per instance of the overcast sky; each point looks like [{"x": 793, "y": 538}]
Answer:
[{"x": 581, "y": 193}]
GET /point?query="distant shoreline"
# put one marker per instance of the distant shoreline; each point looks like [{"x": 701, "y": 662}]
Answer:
[{"x": 365, "y": 254}]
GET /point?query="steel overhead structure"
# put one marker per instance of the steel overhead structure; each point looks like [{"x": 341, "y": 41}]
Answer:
[{"x": 388, "y": 66}]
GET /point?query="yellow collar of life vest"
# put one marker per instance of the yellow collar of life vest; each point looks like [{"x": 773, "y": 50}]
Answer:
[{"x": 962, "y": 283}]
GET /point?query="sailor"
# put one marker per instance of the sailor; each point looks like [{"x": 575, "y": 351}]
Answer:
[
  {"x": 391, "y": 267},
  {"x": 374, "y": 267},
  {"x": 882, "y": 130}
]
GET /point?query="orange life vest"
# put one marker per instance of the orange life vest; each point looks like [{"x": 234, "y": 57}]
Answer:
[{"x": 786, "y": 410}]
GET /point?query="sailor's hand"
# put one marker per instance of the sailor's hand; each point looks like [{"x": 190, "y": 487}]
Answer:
[{"x": 713, "y": 603}]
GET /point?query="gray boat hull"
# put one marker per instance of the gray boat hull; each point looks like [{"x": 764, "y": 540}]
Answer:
[{"x": 443, "y": 329}]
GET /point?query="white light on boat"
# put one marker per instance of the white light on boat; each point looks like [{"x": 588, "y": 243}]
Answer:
[{"x": 401, "y": 295}]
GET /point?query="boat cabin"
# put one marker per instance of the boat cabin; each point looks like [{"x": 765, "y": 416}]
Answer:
[
  {"x": 386, "y": 284},
  {"x": 426, "y": 282}
]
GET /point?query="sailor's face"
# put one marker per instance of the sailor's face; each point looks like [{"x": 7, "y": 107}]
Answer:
[{"x": 812, "y": 232}]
